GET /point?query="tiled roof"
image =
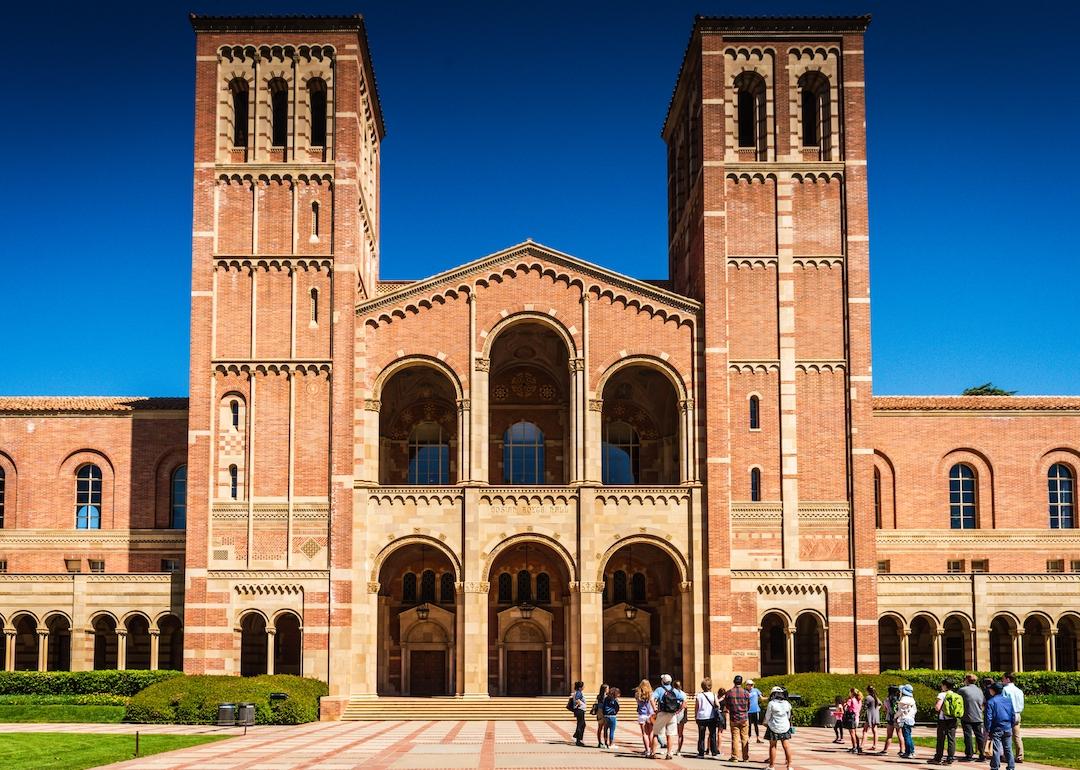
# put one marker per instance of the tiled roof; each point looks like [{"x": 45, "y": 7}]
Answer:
[
  {"x": 975, "y": 403},
  {"x": 88, "y": 404},
  {"x": 385, "y": 287}
]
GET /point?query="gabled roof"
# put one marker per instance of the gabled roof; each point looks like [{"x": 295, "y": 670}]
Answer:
[
  {"x": 89, "y": 404},
  {"x": 975, "y": 403},
  {"x": 525, "y": 253}
]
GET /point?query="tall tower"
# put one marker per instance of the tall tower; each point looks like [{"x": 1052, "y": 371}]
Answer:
[
  {"x": 768, "y": 228},
  {"x": 284, "y": 244}
]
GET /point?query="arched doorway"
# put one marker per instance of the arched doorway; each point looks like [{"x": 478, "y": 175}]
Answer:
[
  {"x": 643, "y": 623},
  {"x": 890, "y": 633},
  {"x": 288, "y": 644},
  {"x": 956, "y": 653},
  {"x": 59, "y": 658},
  {"x": 1002, "y": 643},
  {"x": 810, "y": 643},
  {"x": 418, "y": 608},
  {"x": 170, "y": 643},
  {"x": 137, "y": 655},
  {"x": 1036, "y": 642},
  {"x": 640, "y": 427},
  {"x": 529, "y": 605},
  {"x": 921, "y": 643},
  {"x": 253, "y": 644},
  {"x": 1068, "y": 643},
  {"x": 529, "y": 407},
  {"x": 418, "y": 428},
  {"x": 26, "y": 643},
  {"x": 106, "y": 643},
  {"x": 773, "y": 647}
]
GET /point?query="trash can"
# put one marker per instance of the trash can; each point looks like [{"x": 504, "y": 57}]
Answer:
[
  {"x": 825, "y": 717},
  {"x": 245, "y": 714},
  {"x": 226, "y": 714},
  {"x": 279, "y": 696}
]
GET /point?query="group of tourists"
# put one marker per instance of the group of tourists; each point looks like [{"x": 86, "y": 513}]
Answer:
[
  {"x": 988, "y": 711},
  {"x": 663, "y": 712}
]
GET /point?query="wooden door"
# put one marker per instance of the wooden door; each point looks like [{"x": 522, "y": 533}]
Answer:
[
  {"x": 621, "y": 669},
  {"x": 524, "y": 672},
  {"x": 427, "y": 672}
]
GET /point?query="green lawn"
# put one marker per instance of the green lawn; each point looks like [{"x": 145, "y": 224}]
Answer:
[
  {"x": 1047, "y": 714},
  {"x": 68, "y": 751},
  {"x": 60, "y": 713},
  {"x": 1058, "y": 752}
]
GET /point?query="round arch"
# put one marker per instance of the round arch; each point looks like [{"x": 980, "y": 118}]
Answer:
[
  {"x": 816, "y": 614},
  {"x": 530, "y": 317},
  {"x": 663, "y": 545},
  {"x": 985, "y": 513},
  {"x": 21, "y": 614},
  {"x": 782, "y": 614},
  {"x": 389, "y": 549},
  {"x": 82, "y": 456},
  {"x": 250, "y": 611},
  {"x": 127, "y": 617},
  {"x": 649, "y": 362},
  {"x": 531, "y": 537},
  {"x": 93, "y": 619},
  {"x": 156, "y": 621},
  {"x": 894, "y": 615},
  {"x": 1058, "y": 454},
  {"x": 409, "y": 362}
]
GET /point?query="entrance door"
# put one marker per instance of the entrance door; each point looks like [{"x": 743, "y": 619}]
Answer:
[
  {"x": 524, "y": 672},
  {"x": 427, "y": 672},
  {"x": 621, "y": 670}
]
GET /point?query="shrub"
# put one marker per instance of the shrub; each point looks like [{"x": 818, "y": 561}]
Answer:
[
  {"x": 1031, "y": 682},
  {"x": 92, "y": 699},
  {"x": 818, "y": 690},
  {"x": 122, "y": 683},
  {"x": 195, "y": 699}
]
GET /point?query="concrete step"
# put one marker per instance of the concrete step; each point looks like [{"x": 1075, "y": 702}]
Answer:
[{"x": 456, "y": 708}]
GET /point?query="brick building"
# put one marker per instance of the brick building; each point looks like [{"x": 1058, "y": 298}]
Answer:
[{"x": 531, "y": 469}]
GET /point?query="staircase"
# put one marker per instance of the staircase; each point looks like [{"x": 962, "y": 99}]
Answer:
[{"x": 543, "y": 708}]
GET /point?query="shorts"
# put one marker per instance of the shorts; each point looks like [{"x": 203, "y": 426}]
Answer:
[
  {"x": 755, "y": 717},
  {"x": 771, "y": 736},
  {"x": 600, "y": 718},
  {"x": 666, "y": 723},
  {"x": 642, "y": 718}
]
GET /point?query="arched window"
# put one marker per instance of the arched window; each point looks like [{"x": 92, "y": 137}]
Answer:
[
  {"x": 963, "y": 508},
  {"x": 1062, "y": 499},
  {"x": 524, "y": 586},
  {"x": 816, "y": 120},
  {"x": 446, "y": 588},
  {"x": 408, "y": 588},
  {"x": 543, "y": 588},
  {"x": 618, "y": 589},
  {"x": 637, "y": 587},
  {"x": 429, "y": 455},
  {"x": 234, "y": 487},
  {"x": 755, "y": 485},
  {"x": 239, "y": 89},
  {"x": 2, "y": 479},
  {"x": 877, "y": 498},
  {"x": 621, "y": 454},
  {"x": 427, "y": 586},
  {"x": 523, "y": 454},
  {"x": 755, "y": 413},
  {"x": 750, "y": 105},
  {"x": 506, "y": 588},
  {"x": 279, "y": 112},
  {"x": 315, "y": 219},
  {"x": 314, "y": 305},
  {"x": 234, "y": 413},
  {"x": 317, "y": 99},
  {"x": 178, "y": 498},
  {"x": 88, "y": 497}
]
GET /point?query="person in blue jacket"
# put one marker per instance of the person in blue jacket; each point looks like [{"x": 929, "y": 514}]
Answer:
[
  {"x": 610, "y": 708},
  {"x": 999, "y": 726}
]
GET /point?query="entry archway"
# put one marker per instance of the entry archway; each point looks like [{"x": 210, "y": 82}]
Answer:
[
  {"x": 890, "y": 642},
  {"x": 811, "y": 643},
  {"x": 922, "y": 643},
  {"x": 106, "y": 643},
  {"x": 1036, "y": 642},
  {"x": 773, "y": 647},
  {"x": 137, "y": 655},
  {"x": 1068, "y": 643},
  {"x": 956, "y": 652},
  {"x": 1003, "y": 635},
  {"x": 170, "y": 643},
  {"x": 253, "y": 644},
  {"x": 59, "y": 652},
  {"x": 26, "y": 643},
  {"x": 288, "y": 644}
]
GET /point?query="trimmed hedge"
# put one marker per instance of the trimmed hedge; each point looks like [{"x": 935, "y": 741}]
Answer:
[
  {"x": 818, "y": 690},
  {"x": 93, "y": 699},
  {"x": 1031, "y": 682},
  {"x": 195, "y": 699},
  {"x": 122, "y": 683}
]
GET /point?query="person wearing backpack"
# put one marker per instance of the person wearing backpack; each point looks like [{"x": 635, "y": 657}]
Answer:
[
  {"x": 667, "y": 703},
  {"x": 949, "y": 708},
  {"x": 577, "y": 705}
]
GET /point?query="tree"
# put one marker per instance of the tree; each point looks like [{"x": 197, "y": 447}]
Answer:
[{"x": 987, "y": 389}]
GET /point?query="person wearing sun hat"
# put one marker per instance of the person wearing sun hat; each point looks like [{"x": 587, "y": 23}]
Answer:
[
  {"x": 905, "y": 718},
  {"x": 778, "y": 725}
]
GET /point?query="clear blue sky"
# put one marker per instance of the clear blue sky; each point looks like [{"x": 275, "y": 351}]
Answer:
[{"x": 509, "y": 120}]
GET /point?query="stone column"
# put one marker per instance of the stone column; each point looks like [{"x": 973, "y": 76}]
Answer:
[
  {"x": 271, "y": 637},
  {"x": 1018, "y": 650},
  {"x": 9, "y": 649},
  {"x": 43, "y": 649},
  {"x": 594, "y": 429},
  {"x": 905, "y": 648},
  {"x": 547, "y": 668},
  {"x": 686, "y": 443},
  {"x": 591, "y": 599},
  {"x": 1051, "y": 650},
  {"x": 372, "y": 446},
  {"x": 939, "y": 636},
  {"x": 577, "y": 419},
  {"x": 478, "y": 441},
  {"x": 475, "y": 637},
  {"x": 574, "y": 634},
  {"x": 464, "y": 426},
  {"x": 459, "y": 638},
  {"x": 121, "y": 649},
  {"x": 686, "y": 612},
  {"x": 789, "y": 650},
  {"x": 155, "y": 647}
]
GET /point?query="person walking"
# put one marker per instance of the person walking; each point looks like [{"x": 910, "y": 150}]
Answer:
[
  {"x": 999, "y": 721},
  {"x": 667, "y": 705},
  {"x": 905, "y": 719},
  {"x": 737, "y": 703},
  {"x": 680, "y": 723},
  {"x": 1016, "y": 696},
  {"x": 949, "y": 707},
  {"x": 598, "y": 711},
  {"x": 755, "y": 709},
  {"x": 891, "y": 728},
  {"x": 872, "y": 708},
  {"x": 643, "y": 697},
  {"x": 578, "y": 698},
  {"x": 611, "y": 715},
  {"x": 852, "y": 709},
  {"x": 838, "y": 719},
  {"x": 778, "y": 725},
  {"x": 972, "y": 721},
  {"x": 705, "y": 712}
]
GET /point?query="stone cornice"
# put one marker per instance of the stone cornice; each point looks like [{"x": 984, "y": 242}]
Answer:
[
  {"x": 948, "y": 539},
  {"x": 766, "y": 166},
  {"x": 989, "y": 577},
  {"x": 267, "y": 574},
  {"x": 91, "y": 538},
  {"x": 793, "y": 574}
]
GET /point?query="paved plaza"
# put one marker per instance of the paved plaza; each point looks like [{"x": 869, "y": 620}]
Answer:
[{"x": 417, "y": 745}]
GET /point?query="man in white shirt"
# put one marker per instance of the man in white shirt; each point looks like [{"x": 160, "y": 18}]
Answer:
[{"x": 1016, "y": 696}]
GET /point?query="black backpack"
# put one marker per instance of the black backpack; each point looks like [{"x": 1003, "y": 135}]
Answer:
[
  {"x": 571, "y": 705},
  {"x": 669, "y": 701}
]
